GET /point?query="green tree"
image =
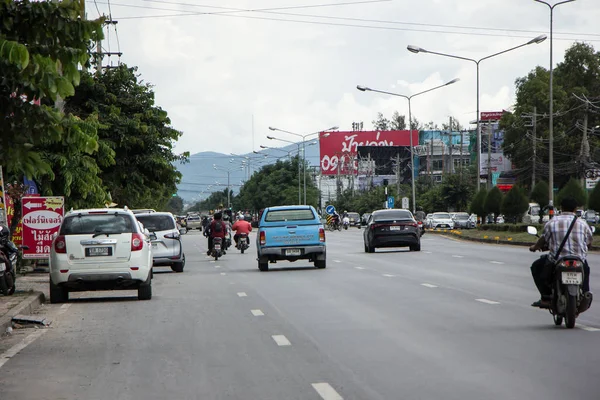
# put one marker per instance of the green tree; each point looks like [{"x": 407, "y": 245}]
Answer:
[
  {"x": 175, "y": 205},
  {"x": 216, "y": 200},
  {"x": 381, "y": 123},
  {"x": 493, "y": 202},
  {"x": 477, "y": 206},
  {"x": 573, "y": 189},
  {"x": 456, "y": 192},
  {"x": 594, "y": 199},
  {"x": 540, "y": 195},
  {"x": 514, "y": 204}
]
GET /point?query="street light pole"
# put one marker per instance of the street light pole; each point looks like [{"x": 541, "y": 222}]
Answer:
[
  {"x": 412, "y": 155},
  {"x": 298, "y": 145},
  {"x": 416, "y": 49},
  {"x": 551, "y": 105}
]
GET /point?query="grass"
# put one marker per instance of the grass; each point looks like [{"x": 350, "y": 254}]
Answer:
[{"x": 492, "y": 236}]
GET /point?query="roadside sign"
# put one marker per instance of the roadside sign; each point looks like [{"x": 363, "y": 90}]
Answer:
[
  {"x": 42, "y": 217},
  {"x": 390, "y": 202},
  {"x": 330, "y": 209},
  {"x": 405, "y": 204},
  {"x": 592, "y": 177}
]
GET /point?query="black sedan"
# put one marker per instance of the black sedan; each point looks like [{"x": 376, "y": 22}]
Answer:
[{"x": 392, "y": 228}]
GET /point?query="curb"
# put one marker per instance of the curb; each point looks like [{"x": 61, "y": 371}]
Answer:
[{"x": 27, "y": 306}]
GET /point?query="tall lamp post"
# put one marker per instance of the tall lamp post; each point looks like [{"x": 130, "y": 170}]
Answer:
[
  {"x": 410, "y": 130},
  {"x": 333, "y": 128},
  {"x": 551, "y": 105},
  {"x": 297, "y": 145},
  {"x": 416, "y": 49},
  {"x": 228, "y": 170}
]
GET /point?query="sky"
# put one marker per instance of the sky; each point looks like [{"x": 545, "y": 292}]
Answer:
[{"x": 226, "y": 73}]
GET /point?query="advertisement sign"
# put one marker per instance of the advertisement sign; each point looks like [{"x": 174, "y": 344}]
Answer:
[
  {"x": 592, "y": 177},
  {"x": 17, "y": 237},
  {"x": 498, "y": 163},
  {"x": 491, "y": 116},
  {"x": 340, "y": 148},
  {"x": 42, "y": 217}
]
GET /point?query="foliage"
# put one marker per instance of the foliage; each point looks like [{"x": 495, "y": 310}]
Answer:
[
  {"x": 540, "y": 195},
  {"x": 361, "y": 202},
  {"x": 594, "y": 199},
  {"x": 456, "y": 192},
  {"x": 514, "y": 204},
  {"x": 216, "y": 201},
  {"x": 40, "y": 63},
  {"x": 396, "y": 123},
  {"x": 576, "y": 75},
  {"x": 493, "y": 202},
  {"x": 573, "y": 189},
  {"x": 136, "y": 132},
  {"x": 174, "y": 205},
  {"x": 510, "y": 227},
  {"x": 432, "y": 200},
  {"x": 477, "y": 206}
]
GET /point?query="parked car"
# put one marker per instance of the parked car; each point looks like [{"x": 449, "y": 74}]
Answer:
[
  {"x": 427, "y": 222},
  {"x": 392, "y": 228},
  {"x": 354, "y": 219},
  {"x": 166, "y": 239},
  {"x": 441, "y": 220},
  {"x": 290, "y": 233},
  {"x": 591, "y": 217},
  {"x": 463, "y": 220},
  {"x": 100, "y": 249},
  {"x": 194, "y": 222},
  {"x": 365, "y": 218}
]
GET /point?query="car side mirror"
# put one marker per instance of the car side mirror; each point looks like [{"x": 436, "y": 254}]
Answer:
[{"x": 532, "y": 230}]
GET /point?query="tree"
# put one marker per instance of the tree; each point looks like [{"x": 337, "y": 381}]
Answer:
[
  {"x": 594, "y": 199},
  {"x": 493, "y": 202},
  {"x": 514, "y": 204},
  {"x": 398, "y": 122},
  {"x": 143, "y": 174},
  {"x": 216, "y": 200},
  {"x": 456, "y": 192},
  {"x": 478, "y": 203},
  {"x": 540, "y": 195},
  {"x": 175, "y": 205},
  {"x": 573, "y": 189},
  {"x": 381, "y": 123}
]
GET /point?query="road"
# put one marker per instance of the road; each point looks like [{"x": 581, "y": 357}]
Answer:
[{"x": 450, "y": 322}]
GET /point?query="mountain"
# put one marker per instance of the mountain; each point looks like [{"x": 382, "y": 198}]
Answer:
[{"x": 200, "y": 178}]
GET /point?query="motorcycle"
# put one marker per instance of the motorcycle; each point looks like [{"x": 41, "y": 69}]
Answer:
[
  {"x": 346, "y": 223},
  {"x": 243, "y": 242},
  {"x": 568, "y": 299},
  {"x": 8, "y": 262},
  {"x": 217, "y": 248}
]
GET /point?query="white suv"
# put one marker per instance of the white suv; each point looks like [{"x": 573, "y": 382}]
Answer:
[{"x": 100, "y": 249}]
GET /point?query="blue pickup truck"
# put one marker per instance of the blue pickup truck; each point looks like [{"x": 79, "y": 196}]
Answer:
[{"x": 290, "y": 233}]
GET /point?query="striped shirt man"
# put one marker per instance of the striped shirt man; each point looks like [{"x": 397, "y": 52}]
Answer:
[{"x": 578, "y": 241}]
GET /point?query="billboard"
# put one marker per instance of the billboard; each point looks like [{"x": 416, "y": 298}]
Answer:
[
  {"x": 341, "y": 148},
  {"x": 498, "y": 163},
  {"x": 42, "y": 217},
  {"x": 491, "y": 116}
]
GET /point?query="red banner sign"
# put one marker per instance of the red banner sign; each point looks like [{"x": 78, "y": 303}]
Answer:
[
  {"x": 340, "y": 148},
  {"x": 492, "y": 116},
  {"x": 42, "y": 217}
]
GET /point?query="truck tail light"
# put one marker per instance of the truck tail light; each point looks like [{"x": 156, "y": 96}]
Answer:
[
  {"x": 60, "y": 244},
  {"x": 137, "y": 242},
  {"x": 263, "y": 238},
  {"x": 322, "y": 235}
]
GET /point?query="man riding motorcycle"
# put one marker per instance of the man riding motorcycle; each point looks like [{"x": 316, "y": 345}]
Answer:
[
  {"x": 217, "y": 228},
  {"x": 240, "y": 227},
  {"x": 577, "y": 244}
]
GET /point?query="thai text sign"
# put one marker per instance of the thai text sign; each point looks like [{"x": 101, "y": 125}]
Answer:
[{"x": 42, "y": 217}]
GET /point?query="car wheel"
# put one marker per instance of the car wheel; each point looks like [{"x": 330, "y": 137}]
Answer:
[
  {"x": 178, "y": 266},
  {"x": 366, "y": 248},
  {"x": 321, "y": 264},
  {"x": 416, "y": 247},
  {"x": 370, "y": 249},
  {"x": 58, "y": 294},
  {"x": 263, "y": 266},
  {"x": 145, "y": 290}
]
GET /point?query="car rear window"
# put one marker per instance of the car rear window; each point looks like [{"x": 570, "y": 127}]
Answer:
[
  {"x": 193, "y": 218},
  {"x": 156, "y": 223},
  {"x": 461, "y": 216},
  {"x": 353, "y": 215},
  {"x": 392, "y": 215},
  {"x": 441, "y": 216},
  {"x": 289, "y": 215},
  {"x": 87, "y": 224}
]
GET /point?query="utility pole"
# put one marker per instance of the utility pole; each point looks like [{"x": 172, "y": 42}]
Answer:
[
  {"x": 534, "y": 122},
  {"x": 397, "y": 176},
  {"x": 461, "y": 155},
  {"x": 585, "y": 147},
  {"x": 489, "y": 163},
  {"x": 451, "y": 143},
  {"x": 431, "y": 155}
]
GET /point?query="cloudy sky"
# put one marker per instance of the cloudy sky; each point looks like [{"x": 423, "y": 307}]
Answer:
[{"x": 295, "y": 64}]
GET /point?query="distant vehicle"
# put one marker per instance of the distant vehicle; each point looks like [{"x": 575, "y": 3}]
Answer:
[
  {"x": 532, "y": 215},
  {"x": 143, "y": 211},
  {"x": 392, "y": 228},
  {"x": 365, "y": 218},
  {"x": 441, "y": 220},
  {"x": 463, "y": 220},
  {"x": 100, "y": 249},
  {"x": 427, "y": 221},
  {"x": 591, "y": 217},
  {"x": 290, "y": 233},
  {"x": 194, "y": 222},
  {"x": 166, "y": 239},
  {"x": 354, "y": 219}
]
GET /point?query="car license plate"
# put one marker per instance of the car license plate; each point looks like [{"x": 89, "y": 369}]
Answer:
[
  {"x": 293, "y": 252},
  {"x": 572, "y": 278},
  {"x": 217, "y": 247},
  {"x": 154, "y": 245},
  {"x": 98, "y": 251},
  {"x": 395, "y": 228},
  {"x": 2, "y": 267}
]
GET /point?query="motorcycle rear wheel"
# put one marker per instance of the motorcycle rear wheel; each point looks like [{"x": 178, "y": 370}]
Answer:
[
  {"x": 571, "y": 312},
  {"x": 3, "y": 286}
]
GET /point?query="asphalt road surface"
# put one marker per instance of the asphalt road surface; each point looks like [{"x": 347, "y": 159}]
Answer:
[{"x": 450, "y": 322}]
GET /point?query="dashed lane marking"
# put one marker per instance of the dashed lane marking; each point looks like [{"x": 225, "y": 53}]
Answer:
[
  {"x": 486, "y": 301},
  {"x": 587, "y": 328},
  {"x": 281, "y": 340},
  {"x": 242, "y": 294},
  {"x": 326, "y": 391},
  {"x": 337, "y": 261},
  {"x": 457, "y": 256},
  {"x": 359, "y": 267},
  {"x": 429, "y": 285},
  {"x": 388, "y": 275},
  {"x": 497, "y": 262},
  {"x": 257, "y": 313},
  {"x": 223, "y": 273}
]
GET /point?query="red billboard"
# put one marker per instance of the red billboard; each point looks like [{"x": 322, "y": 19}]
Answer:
[
  {"x": 492, "y": 116},
  {"x": 42, "y": 217},
  {"x": 340, "y": 148}
]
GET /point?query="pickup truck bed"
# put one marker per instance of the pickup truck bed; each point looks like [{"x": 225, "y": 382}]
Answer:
[{"x": 290, "y": 233}]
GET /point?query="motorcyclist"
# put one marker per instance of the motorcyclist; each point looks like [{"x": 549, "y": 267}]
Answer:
[
  {"x": 241, "y": 226},
  {"x": 217, "y": 228},
  {"x": 577, "y": 244},
  {"x": 336, "y": 219}
]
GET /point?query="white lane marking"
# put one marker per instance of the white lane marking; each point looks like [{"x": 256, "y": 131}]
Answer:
[
  {"x": 257, "y": 313},
  {"x": 587, "y": 328},
  {"x": 217, "y": 266},
  {"x": 429, "y": 285},
  {"x": 359, "y": 267},
  {"x": 65, "y": 306},
  {"x": 427, "y": 252},
  {"x": 13, "y": 351},
  {"x": 223, "y": 273},
  {"x": 326, "y": 391},
  {"x": 486, "y": 301},
  {"x": 281, "y": 340},
  {"x": 337, "y": 261},
  {"x": 388, "y": 275},
  {"x": 457, "y": 256},
  {"x": 242, "y": 294},
  {"x": 497, "y": 262},
  {"x": 212, "y": 261}
]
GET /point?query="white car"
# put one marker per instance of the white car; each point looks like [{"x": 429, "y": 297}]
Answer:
[
  {"x": 167, "y": 248},
  {"x": 441, "y": 220},
  {"x": 100, "y": 249}
]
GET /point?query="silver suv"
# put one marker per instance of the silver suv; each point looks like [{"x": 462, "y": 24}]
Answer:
[{"x": 166, "y": 239}]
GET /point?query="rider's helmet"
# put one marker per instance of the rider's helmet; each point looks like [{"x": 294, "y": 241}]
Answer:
[
  {"x": 240, "y": 217},
  {"x": 4, "y": 234}
]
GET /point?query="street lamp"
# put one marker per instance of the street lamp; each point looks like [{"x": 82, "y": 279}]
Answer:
[
  {"x": 298, "y": 145},
  {"x": 551, "y": 105},
  {"x": 228, "y": 170},
  {"x": 333, "y": 128},
  {"x": 416, "y": 49},
  {"x": 412, "y": 156}
]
